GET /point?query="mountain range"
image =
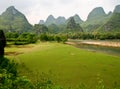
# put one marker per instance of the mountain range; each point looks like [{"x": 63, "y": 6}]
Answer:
[
  {"x": 60, "y": 20},
  {"x": 97, "y": 21}
]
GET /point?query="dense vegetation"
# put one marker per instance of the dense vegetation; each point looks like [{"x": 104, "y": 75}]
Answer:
[
  {"x": 9, "y": 78},
  {"x": 24, "y": 38}
]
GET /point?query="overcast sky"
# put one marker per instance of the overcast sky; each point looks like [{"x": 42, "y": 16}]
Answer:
[{"x": 36, "y": 10}]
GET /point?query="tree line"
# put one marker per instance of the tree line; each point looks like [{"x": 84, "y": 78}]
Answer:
[
  {"x": 94, "y": 36},
  {"x": 26, "y": 38}
]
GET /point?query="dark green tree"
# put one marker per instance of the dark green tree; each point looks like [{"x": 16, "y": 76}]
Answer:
[
  {"x": 26, "y": 38},
  {"x": 57, "y": 38},
  {"x": 43, "y": 37},
  {"x": 11, "y": 36},
  {"x": 2, "y": 43}
]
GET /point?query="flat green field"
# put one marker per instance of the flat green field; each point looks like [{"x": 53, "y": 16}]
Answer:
[{"x": 65, "y": 64}]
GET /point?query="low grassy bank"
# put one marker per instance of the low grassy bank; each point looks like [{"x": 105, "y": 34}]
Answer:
[{"x": 67, "y": 65}]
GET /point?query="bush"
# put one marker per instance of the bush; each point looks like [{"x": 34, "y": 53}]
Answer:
[
  {"x": 9, "y": 78},
  {"x": 21, "y": 39},
  {"x": 50, "y": 37}
]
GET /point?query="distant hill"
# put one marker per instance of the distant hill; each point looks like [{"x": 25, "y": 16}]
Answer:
[
  {"x": 113, "y": 24},
  {"x": 95, "y": 19},
  {"x": 72, "y": 26},
  {"x": 60, "y": 20},
  {"x": 117, "y": 9},
  {"x": 76, "y": 18},
  {"x": 41, "y": 22},
  {"x": 13, "y": 20},
  {"x": 50, "y": 20},
  {"x": 96, "y": 13}
]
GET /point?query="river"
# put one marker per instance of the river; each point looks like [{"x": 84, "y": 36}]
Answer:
[{"x": 97, "y": 46}]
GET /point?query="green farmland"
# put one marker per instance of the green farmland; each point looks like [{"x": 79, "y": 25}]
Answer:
[{"x": 66, "y": 65}]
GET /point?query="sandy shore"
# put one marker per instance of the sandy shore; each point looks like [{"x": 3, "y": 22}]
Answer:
[{"x": 95, "y": 42}]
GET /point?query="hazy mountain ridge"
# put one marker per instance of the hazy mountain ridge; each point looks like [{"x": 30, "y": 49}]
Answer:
[
  {"x": 50, "y": 20},
  {"x": 42, "y": 22},
  {"x": 72, "y": 26},
  {"x": 96, "y": 13},
  {"x": 78, "y": 19},
  {"x": 113, "y": 24},
  {"x": 13, "y": 20},
  {"x": 117, "y": 9},
  {"x": 61, "y": 20},
  {"x": 97, "y": 20}
]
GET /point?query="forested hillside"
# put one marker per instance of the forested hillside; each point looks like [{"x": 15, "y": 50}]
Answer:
[{"x": 14, "y": 21}]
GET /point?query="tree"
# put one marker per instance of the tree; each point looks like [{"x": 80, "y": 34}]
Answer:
[
  {"x": 26, "y": 38},
  {"x": 31, "y": 38},
  {"x": 57, "y": 38},
  {"x": 43, "y": 37},
  {"x": 2, "y": 43},
  {"x": 11, "y": 36}
]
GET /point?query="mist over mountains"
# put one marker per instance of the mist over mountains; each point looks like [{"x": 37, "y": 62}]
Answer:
[{"x": 97, "y": 20}]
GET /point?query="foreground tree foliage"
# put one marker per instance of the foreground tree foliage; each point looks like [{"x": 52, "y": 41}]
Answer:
[
  {"x": 2, "y": 43},
  {"x": 9, "y": 78}
]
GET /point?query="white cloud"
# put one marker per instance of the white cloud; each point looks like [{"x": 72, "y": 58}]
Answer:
[{"x": 40, "y": 9}]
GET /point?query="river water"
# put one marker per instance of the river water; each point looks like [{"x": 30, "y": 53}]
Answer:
[{"x": 97, "y": 48}]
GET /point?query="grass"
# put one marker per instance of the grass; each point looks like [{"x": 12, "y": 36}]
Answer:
[{"x": 67, "y": 65}]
